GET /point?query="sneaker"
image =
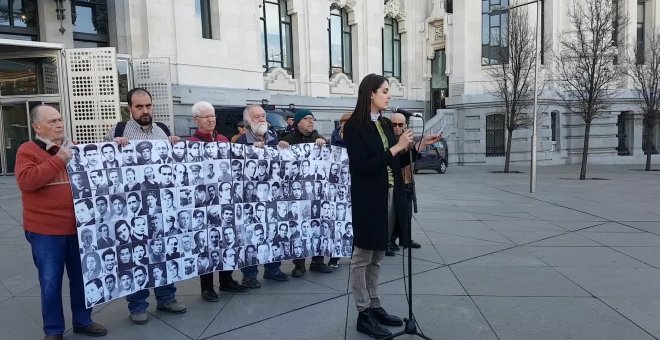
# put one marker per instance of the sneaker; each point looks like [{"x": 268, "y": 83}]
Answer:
[
  {"x": 320, "y": 267},
  {"x": 93, "y": 329},
  {"x": 251, "y": 282},
  {"x": 139, "y": 318},
  {"x": 173, "y": 307},
  {"x": 233, "y": 286},
  {"x": 279, "y": 276},
  {"x": 299, "y": 271},
  {"x": 209, "y": 296},
  {"x": 334, "y": 263}
]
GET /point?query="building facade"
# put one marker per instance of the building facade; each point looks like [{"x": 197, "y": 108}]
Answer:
[{"x": 83, "y": 56}]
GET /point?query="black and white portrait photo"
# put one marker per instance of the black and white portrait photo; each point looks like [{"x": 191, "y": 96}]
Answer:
[{"x": 152, "y": 213}]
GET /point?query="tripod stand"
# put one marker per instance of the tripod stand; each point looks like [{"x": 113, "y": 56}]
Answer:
[{"x": 410, "y": 325}]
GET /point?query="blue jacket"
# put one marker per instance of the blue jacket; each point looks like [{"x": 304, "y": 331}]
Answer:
[{"x": 336, "y": 138}]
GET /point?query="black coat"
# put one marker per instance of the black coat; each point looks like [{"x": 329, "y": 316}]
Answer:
[{"x": 368, "y": 162}]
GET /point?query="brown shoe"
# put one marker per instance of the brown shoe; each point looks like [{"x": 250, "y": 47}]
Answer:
[
  {"x": 54, "y": 337},
  {"x": 93, "y": 329}
]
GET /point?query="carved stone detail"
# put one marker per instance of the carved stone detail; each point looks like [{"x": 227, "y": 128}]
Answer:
[
  {"x": 277, "y": 79},
  {"x": 341, "y": 84}
]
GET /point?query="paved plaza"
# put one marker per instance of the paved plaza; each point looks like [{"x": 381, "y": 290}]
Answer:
[{"x": 576, "y": 260}]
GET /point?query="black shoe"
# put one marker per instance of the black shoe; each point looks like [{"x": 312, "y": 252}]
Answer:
[
  {"x": 233, "y": 286},
  {"x": 299, "y": 271},
  {"x": 333, "y": 263},
  {"x": 367, "y": 324},
  {"x": 320, "y": 267},
  {"x": 251, "y": 282},
  {"x": 386, "y": 319},
  {"x": 414, "y": 244},
  {"x": 393, "y": 246},
  {"x": 279, "y": 276},
  {"x": 93, "y": 329},
  {"x": 389, "y": 253},
  {"x": 209, "y": 296}
]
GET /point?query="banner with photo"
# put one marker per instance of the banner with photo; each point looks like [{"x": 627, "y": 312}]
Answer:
[{"x": 152, "y": 213}]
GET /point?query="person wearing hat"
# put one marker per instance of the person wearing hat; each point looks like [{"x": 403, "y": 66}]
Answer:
[
  {"x": 305, "y": 133},
  {"x": 144, "y": 152},
  {"x": 196, "y": 178},
  {"x": 204, "y": 116}
]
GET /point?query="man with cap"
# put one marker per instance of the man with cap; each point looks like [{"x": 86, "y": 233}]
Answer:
[
  {"x": 196, "y": 178},
  {"x": 144, "y": 152},
  {"x": 305, "y": 133},
  {"x": 141, "y": 126}
]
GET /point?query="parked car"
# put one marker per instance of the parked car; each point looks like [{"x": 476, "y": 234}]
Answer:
[
  {"x": 433, "y": 157},
  {"x": 227, "y": 118}
]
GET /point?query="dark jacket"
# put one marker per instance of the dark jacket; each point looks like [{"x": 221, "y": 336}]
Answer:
[
  {"x": 336, "y": 138},
  {"x": 368, "y": 162},
  {"x": 298, "y": 138}
]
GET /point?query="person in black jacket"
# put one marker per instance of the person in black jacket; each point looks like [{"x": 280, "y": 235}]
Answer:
[
  {"x": 378, "y": 196},
  {"x": 305, "y": 133}
]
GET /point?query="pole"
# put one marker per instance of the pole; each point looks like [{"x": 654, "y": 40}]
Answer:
[{"x": 532, "y": 176}]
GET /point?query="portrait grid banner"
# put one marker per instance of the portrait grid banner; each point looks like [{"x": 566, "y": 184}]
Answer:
[{"x": 152, "y": 213}]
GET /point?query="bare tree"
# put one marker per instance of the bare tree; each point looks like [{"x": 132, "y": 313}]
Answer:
[
  {"x": 644, "y": 70},
  {"x": 587, "y": 73},
  {"x": 514, "y": 77}
]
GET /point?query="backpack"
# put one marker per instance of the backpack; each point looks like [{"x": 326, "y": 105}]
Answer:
[{"x": 119, "y": 129}]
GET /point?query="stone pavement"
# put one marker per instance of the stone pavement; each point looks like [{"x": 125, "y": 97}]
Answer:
[{"x": 576, "y": 260}]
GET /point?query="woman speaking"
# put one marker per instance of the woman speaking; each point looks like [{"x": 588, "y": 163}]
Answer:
[{"x": 375, "y": 158}]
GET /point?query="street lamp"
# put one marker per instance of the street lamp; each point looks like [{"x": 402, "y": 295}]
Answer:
[{"x": 496, "y": 10}]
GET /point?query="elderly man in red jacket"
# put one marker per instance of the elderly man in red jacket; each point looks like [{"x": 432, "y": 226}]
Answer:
[{"x": 50, "y": 224}]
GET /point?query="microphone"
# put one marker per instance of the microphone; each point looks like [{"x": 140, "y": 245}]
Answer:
[{"x": 405, "y": 112}]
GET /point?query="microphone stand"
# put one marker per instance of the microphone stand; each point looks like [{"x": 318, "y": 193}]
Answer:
[{"x": 410, "y": 325}]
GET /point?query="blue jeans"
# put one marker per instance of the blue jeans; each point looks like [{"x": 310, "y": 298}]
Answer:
[
  {"x": 51, "y": 253},
  {"x": 137, "y": 302},
  {"x": 270, "y": 269}
]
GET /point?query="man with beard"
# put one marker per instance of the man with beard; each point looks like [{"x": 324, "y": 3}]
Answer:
[
  {"x": 258, "y": 135},
  {"x": 141, "y": 127},
  {"x": 110, "y": 156}
]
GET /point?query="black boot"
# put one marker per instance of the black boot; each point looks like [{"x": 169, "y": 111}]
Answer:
[
  {"x": 393, "y": 246},
  {"x": 367, "y": 324},
  {"x": 386, "y": 319}
]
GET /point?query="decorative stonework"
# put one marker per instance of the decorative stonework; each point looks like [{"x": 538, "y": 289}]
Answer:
[
  {"x": 349, "y": 6},
  {"x": 277, "y": 79},
  {"x": 341, "y": 84},
  {"x": 394, "y": 9},
  {"x": 396, "y": 89}
]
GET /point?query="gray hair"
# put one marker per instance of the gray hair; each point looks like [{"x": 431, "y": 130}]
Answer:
[
  {"x": 35, "y": 113},
  {"x": 201, "y": 106},
  {"x": 246, "y": 114}
]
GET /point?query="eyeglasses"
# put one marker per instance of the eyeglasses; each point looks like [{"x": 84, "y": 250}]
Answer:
[
  {"x": 310, "y": 119},
  {"x": 398, "y": 124}
]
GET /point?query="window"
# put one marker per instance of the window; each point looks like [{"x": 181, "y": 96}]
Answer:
[
  {"x": 554, "y": 130},
  {"x": 90, "y": 23},
  {"x": 19, "y": 19},
  {"x": 276, "y": 36},
  {"x": 203, "y": 12},
  {"x": 494, "y": 18},
  {"x": 391, "y": 49},
  {"x": 340, "y": 42},
  {"x": 640, "y": 33},
  {"x": 622, "y": 123},
  {"x": 495, "y": 135}
]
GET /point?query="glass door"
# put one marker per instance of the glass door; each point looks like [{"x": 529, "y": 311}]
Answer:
[{"x": 15, "y": 131}]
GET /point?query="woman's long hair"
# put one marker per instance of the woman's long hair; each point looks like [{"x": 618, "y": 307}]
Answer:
[{"x": 369, "y": 84}]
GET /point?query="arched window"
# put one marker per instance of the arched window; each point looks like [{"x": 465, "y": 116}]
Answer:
[
  {"x": 340, "y": 42},
  {"x": 495, "y": 135},
  {"x": 276, "y": 38},
  {"x": 391, "y": 49}
]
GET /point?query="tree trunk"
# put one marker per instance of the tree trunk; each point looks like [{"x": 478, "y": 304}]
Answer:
[
  {"x": 585, "y": 151},
  {"x": 648, "y": 149},
  {"x": 508, "y": 151}
]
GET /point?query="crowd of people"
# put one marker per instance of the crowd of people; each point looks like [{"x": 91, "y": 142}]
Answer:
[{"x": 371, "y": 211}]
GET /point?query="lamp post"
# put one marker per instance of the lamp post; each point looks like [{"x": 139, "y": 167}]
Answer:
[{"x": 537, "y": 32}]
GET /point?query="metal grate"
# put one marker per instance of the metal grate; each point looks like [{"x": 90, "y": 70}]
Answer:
[
  {"x": 153, "y": 74},
  {"x": 495, "y": 135},
  {"x": 93, "y": 92}
]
